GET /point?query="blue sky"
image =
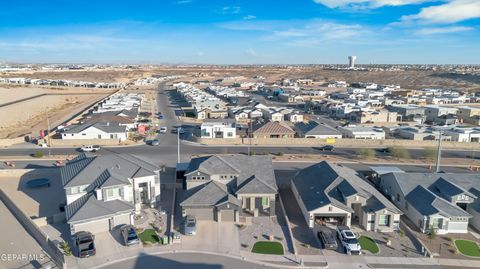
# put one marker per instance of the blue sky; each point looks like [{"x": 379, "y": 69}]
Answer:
[{"x": 241, "y": 32}]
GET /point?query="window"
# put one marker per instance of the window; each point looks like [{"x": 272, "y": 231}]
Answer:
[
  {"x": 384, "y": 220},
  {"x": 398, "y": 197},
  {"x": 84, "y": 134},
  {"x": 437, "y": 223},
  {"x": 229, "y": 134},
  {"x": 113, "y": 193}
]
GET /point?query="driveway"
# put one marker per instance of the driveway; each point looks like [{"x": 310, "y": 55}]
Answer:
[
  {"x": 213, "y": 236},
  {"x": 302, "y": 234}
]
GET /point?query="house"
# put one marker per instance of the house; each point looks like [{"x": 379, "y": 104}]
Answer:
[
  {"x": 435, "y": 113},
  {"x": 212, "y": 128},
  {"x": 99, "y": 130},
  {"x": 272, "y": 129},
  {"x": 362, "y": 132},
  {"x": 103, "y": 192},
  {"x": 314, "y": 129},
  {"x": 470, "y": 115},
  {"x": 226, "y": 188},
  {"x": 111, "y": 119},
  {"x": 330, "y": 193},
  {"x": 446, "y": 202},
  {"x": 380, "y": 116}
]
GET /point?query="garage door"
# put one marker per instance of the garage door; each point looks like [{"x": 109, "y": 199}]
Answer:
[
  {"x": 330, "y": 219},
  {"x": 457, "y": 227},
  {"x": 97, "y": 226},
  {"x": 227, "y": 215},
  {"x": 201, "y": 213}
]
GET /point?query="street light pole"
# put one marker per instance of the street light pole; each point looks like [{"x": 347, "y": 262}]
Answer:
[
  {"x": 439, "y": 152},
  {"x": 178, "y": 145}
]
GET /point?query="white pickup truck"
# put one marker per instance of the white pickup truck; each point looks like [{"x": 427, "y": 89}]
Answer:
[
  {"x": 90, "y": 148},
  {"x": 349, "y": 241}
]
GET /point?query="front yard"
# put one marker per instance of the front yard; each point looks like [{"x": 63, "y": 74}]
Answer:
[
  {"x": 467, "y": 247},
  {"x": 368, "y": 244},
  {"x": 268, "y": 247},
  {"x": 149, "y": 236}
]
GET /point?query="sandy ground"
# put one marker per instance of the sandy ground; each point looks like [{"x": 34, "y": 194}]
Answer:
[{"x": 30, "y": 116}]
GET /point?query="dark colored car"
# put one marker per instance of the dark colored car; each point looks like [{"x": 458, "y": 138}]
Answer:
[
  {"x": 160, "y": 117},
  {"x": 38, "y": 183},
  {"x": 384, "y": 150},
  {"x": 328, "y": 239},
  {"x": 84, "y": 241},
  {"x": 327, "y": 148},
  {"x": 129, "y": 235}
]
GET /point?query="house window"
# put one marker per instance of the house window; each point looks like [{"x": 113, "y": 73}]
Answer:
[
  {"x": 330, "y": 208},
  {"x": 384, "y": 220},
  {"x": 84, "y": 134},
  {"x": 437, "y": 223},
  {"x": 264, "y": 201},
  {"x": 229, "y": 134},
  {"x": 398, "y": 197},
  {"x": 113, "y": 193}
]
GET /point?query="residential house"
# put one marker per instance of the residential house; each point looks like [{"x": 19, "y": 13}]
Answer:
[
  {"x": 362, "y": 132},
  {"x": 99, "y": 130},
  {"x": 272, "y": 129},
  {"x": 446, "y": 202},
  {"x": 314, "y": 129},
  {"x": 212, "y": 128},
  {"x": 103, "y": 192},
  {"x": 470, "y": 115},
  {"x": 228, "y": 188},
  {"x": 330, "y": 193}
]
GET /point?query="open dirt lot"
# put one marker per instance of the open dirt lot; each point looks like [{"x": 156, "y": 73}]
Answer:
[{"x": 29, "y": 116}]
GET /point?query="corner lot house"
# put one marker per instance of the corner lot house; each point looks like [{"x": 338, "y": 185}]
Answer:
[
  {"x": 448, "y": 202},
  {"x": 97, "y": 130},
  {"x": 103, "y": 192},
  {"x": 212, "y": 128},
  {"x": 330, "y": 193},
  {"x": 316, "y": 130},
  {"x": 230, "y": 188}
]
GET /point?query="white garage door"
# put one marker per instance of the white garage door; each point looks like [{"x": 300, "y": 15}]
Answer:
[
  {"x": 94, "y": 227},
  {"x": 457, "y": 227},
  {"x": 201, "y": 213}
]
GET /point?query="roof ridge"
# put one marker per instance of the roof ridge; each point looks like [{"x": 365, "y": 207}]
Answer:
[{"x": 226, "y": 162}]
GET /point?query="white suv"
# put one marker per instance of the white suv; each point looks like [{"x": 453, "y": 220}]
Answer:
[{"x": 349, "y": 241}]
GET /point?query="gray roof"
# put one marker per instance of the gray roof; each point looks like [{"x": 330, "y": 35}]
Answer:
[
  {"x": 327, "y": 183},
  {"x": 254, "y": 176},
  {"x": 88, "y": 207},
  {"x": 314, "y": 128},
  {"x": 429, "y": 192},
  {"x": 87, "y": 169},
  {"x": 105, "y": 127}
]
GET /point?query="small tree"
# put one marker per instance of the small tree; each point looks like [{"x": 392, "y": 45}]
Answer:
[
  {"x": 38, "y": 154},
  {"x": 66, "y": 248},
  {"x": 432, "y": 233},
  {"x": 399, "y": 152},
  {"x": 365, "y": 153},
  {"x": 430, "y": 153}
]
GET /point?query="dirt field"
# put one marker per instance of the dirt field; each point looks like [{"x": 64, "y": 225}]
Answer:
[{"x": 29, "y": 116}]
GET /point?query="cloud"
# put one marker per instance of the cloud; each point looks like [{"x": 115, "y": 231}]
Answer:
[
  {"x": 451, "y": 12},
  {"x": 367, "y": 3},
  {"x": 443, "y": 30},
  {"x": 230, "y": 10},
  {"x": 183, "y": 2},
  {"x": 249, "y": 17}
]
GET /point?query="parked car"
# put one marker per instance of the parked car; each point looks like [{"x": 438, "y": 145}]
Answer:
[
  {"x": 327, "y": 237},
  {"x": 38, "y": 183},
  {"x": 90, "y": 148},
  {"x": 349, "y": 241},
  {"x": 84, "y": 241},
  {"x": 154, "y": 142},
  {"x": 326, "y": 148},
  {"x": 190, "y": 225},
  {"x": 163, "y": 130},
  {"x": 129, "y": 235},
  {"x": 384, "y": 150},
  {"x": 160, "y": 117}
]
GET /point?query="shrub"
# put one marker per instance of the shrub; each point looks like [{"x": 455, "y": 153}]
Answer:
[
  {"x": 38, "y": 154},
  {"x": 365, "y": 153},
  {"x": 399, "y": 152},
  {"x": 66, "y": 248},
  {"x": 430, "y": 153}
]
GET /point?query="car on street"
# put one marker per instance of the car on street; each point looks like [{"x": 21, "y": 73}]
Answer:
[
  {"x": 90, "y": 148},
  {"x": 190, "y": 225},
  {"x": 84, "y": 242},
  {"x": 327, "y": 237},
  {"x": 326, "y": 148},
  {"x": 38, "y": 183},
  {"x": 349, "y": 241},
  {"x": 154, "y": 142},
  {"x": 162, "y": 130},
  {"x": 160, "y": 117},
  {"x": 384, "y": 150},
  {"x": 129, "y": 235}
]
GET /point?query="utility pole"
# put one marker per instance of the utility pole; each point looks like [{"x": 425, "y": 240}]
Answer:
[
  {"x": 178, "y": 144},
  {"x": 439, "y": 152},
  {"x": 49, "y": 141},
  {"x": 250, "y": 137}
]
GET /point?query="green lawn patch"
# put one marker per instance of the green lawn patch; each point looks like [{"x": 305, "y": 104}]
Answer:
[
  {"x": 468, "y": 248},
  {"x": 149, "y": 236},
  {"x": 268, "y": 247},
  {"x": 367, "y": 243}
]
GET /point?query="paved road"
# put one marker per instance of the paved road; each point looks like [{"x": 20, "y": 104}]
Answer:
[{"x": 184, "y": 261}]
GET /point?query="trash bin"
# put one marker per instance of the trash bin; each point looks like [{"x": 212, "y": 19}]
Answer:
[{"x": 164, "y": 240}]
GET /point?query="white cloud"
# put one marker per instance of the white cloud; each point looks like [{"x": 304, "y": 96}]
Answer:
[
  {"x": 367, "y": 3},
  {"x": 443, "y": 30},
  {"x": 451, "y": 12},
  {"x": 230, "y": 10},
  {"x": 249, "y": 17}
]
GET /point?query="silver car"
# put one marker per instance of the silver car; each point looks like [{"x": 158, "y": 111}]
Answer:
[
  {"x": 129, "y": 235},
  {"x": 190, "y": 225}
]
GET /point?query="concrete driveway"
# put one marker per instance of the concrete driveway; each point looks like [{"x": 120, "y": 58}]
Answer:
[{"x": 213, "y": 236}]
